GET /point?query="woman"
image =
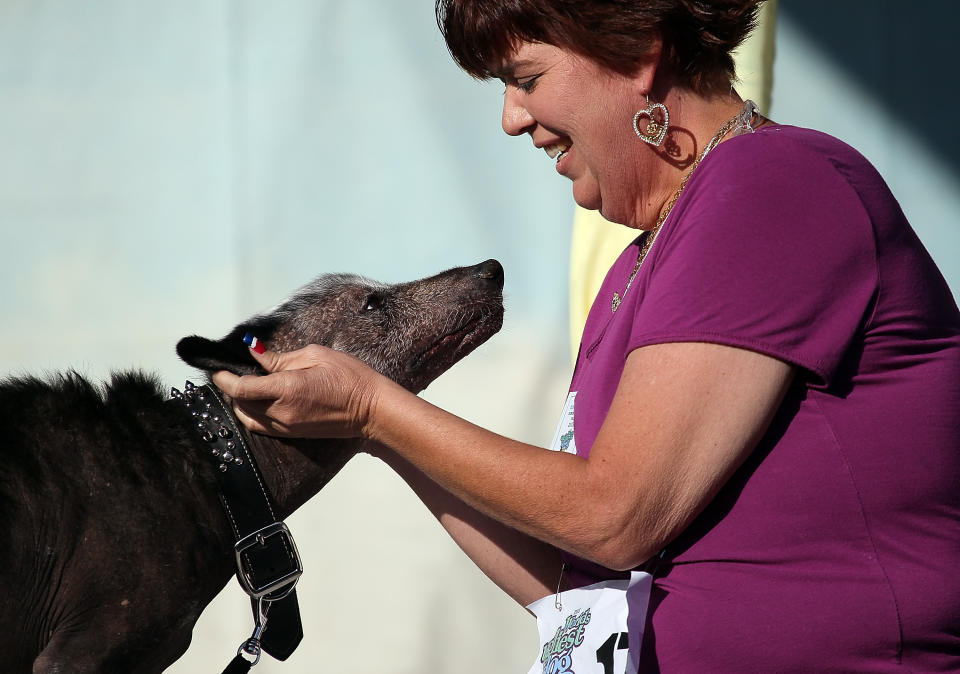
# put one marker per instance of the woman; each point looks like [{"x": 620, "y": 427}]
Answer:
[{"x": 767, "y": 396}]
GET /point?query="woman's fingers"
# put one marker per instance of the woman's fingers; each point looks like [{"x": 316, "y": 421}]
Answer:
[
  {"x": 256, "y": 417},
  {"x": 252, "y": 387},
  {"x": 247, "y": 387},
  {"x": 226, "y": 381},
  {"x": 308, "y": 356},
  {"x": 255, "y": 424},
  {"x": 311, "y": 392},
  {"x": 269, "y": 360}
]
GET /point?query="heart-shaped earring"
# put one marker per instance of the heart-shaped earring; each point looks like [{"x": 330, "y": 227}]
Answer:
[{"x": 657, "y": 120}]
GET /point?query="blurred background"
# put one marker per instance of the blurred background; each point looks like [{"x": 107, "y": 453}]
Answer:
[{"x": 155, "y": 155}]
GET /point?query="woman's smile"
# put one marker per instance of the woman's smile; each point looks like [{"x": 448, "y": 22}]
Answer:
[{"x": 558, "y": 152}]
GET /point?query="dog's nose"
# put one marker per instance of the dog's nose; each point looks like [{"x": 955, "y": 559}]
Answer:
[{"x": 491, "y": 270}]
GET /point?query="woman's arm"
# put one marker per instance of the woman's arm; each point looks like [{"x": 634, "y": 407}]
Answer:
[
  {"x": 523, "y": 567},
  {"x": 684, "y": 417}
]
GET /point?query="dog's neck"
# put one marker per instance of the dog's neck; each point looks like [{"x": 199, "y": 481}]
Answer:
[{"x": 293, "y": 470}]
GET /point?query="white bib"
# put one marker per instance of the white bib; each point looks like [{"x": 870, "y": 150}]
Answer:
[
  {"x": 563, "y": 439},
  {"x": 597, "y": 631}
]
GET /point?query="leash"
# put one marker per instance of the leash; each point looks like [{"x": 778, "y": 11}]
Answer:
[{"x": 268, "y": 564}]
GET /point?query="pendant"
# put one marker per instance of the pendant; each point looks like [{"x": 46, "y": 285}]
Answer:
[
  {"x": 655, "y": 128},
  {"x": 615, "y": 304}
]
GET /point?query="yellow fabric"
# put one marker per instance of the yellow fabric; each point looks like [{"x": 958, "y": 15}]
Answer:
[{"x": 596, "y": 243}]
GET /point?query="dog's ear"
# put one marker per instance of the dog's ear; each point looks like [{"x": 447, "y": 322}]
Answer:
[{"x": 229, "y": 353}]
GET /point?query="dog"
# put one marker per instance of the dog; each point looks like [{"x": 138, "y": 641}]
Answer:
[{"x": 114, "y": 537}]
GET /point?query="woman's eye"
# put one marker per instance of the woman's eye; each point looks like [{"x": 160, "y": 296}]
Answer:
[
  {"x": 524, "y": 84},
  {"x": 527, "y": 83}
]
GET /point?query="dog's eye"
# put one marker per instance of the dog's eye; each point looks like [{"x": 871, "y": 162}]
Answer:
[{"x": 373, "y": 302}]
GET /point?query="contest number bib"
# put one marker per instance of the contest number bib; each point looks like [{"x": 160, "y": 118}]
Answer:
[
  {"x": 563, "y": 439},
  {"x": 595, "y": 629}
]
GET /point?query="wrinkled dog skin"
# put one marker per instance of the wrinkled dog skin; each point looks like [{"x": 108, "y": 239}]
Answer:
[{"x": 114, "y": 540}]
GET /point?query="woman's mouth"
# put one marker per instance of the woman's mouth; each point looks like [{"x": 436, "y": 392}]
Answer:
[{"x": 557, "y": 150}]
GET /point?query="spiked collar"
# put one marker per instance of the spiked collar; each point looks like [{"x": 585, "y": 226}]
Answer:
[{"x": 268, "y": 565}]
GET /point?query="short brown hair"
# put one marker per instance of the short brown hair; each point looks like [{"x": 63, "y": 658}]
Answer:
[{"x": 698, "y": 35}]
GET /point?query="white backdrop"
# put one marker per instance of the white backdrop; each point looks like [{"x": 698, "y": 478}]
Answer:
[{"x": 148, "y": 150}]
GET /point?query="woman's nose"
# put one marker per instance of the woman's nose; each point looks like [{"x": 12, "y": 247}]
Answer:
[{"x": 516, "y": 120}]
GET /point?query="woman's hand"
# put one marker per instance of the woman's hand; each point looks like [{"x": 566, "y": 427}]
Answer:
[{"x": 314, "y": 392}]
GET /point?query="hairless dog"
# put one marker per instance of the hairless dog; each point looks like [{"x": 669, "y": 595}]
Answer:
[{"x": 113, "y": 535}]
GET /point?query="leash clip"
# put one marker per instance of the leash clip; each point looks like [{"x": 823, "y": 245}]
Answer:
[{"x": 252, "y": 645}]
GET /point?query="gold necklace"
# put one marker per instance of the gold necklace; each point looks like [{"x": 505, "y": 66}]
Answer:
[{"x": 652, "y": 235}]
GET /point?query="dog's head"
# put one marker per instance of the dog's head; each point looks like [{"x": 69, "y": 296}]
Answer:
[{"x": 410, "y": 332}]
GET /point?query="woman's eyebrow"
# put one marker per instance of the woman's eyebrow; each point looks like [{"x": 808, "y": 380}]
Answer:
[{"x": 507, "y": 70}]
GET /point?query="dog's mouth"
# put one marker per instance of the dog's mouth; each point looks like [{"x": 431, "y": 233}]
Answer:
[
  {"x": 448, "y": 342},
  {"x": 474, "y": 329}
]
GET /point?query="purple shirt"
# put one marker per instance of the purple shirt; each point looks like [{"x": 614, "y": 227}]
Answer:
[{"x": 836, "y": 547}]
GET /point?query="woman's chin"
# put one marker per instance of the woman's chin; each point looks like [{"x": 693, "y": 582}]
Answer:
[
  {"x": 586, "y": 197},
  {"x": 592, "y": 202}
]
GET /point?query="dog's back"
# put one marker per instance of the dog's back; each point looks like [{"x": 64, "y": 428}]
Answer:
[{"x": 97, "y": 487}]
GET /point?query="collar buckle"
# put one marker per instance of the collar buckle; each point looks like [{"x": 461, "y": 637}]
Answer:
[{"x": 273, "y": 550}]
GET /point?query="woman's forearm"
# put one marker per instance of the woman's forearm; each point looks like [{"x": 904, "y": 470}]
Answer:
[
  {"x": 527, "y": 488},
  {"x": 525, "y": 568}
]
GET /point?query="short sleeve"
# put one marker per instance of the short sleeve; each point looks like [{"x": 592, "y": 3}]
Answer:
[{"x": 769, "y": 249}]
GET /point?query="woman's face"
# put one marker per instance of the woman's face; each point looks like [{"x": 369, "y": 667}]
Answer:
[{"x": 581, "y": 115}]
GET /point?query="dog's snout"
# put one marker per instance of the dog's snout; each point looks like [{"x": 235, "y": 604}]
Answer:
[{"x": 492, "y": 271}]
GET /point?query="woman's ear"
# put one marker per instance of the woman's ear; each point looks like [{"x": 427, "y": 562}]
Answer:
[{"x": 645, "y": 76}]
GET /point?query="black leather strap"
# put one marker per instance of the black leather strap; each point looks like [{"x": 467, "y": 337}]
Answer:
[{"x": 268, "y": 564}]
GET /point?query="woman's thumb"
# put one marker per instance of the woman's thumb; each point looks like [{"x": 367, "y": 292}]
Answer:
[{"x": 268, "y": 360}]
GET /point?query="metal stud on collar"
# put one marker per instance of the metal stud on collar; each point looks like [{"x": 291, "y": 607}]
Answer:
[{"x": 212, "y": 426}]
